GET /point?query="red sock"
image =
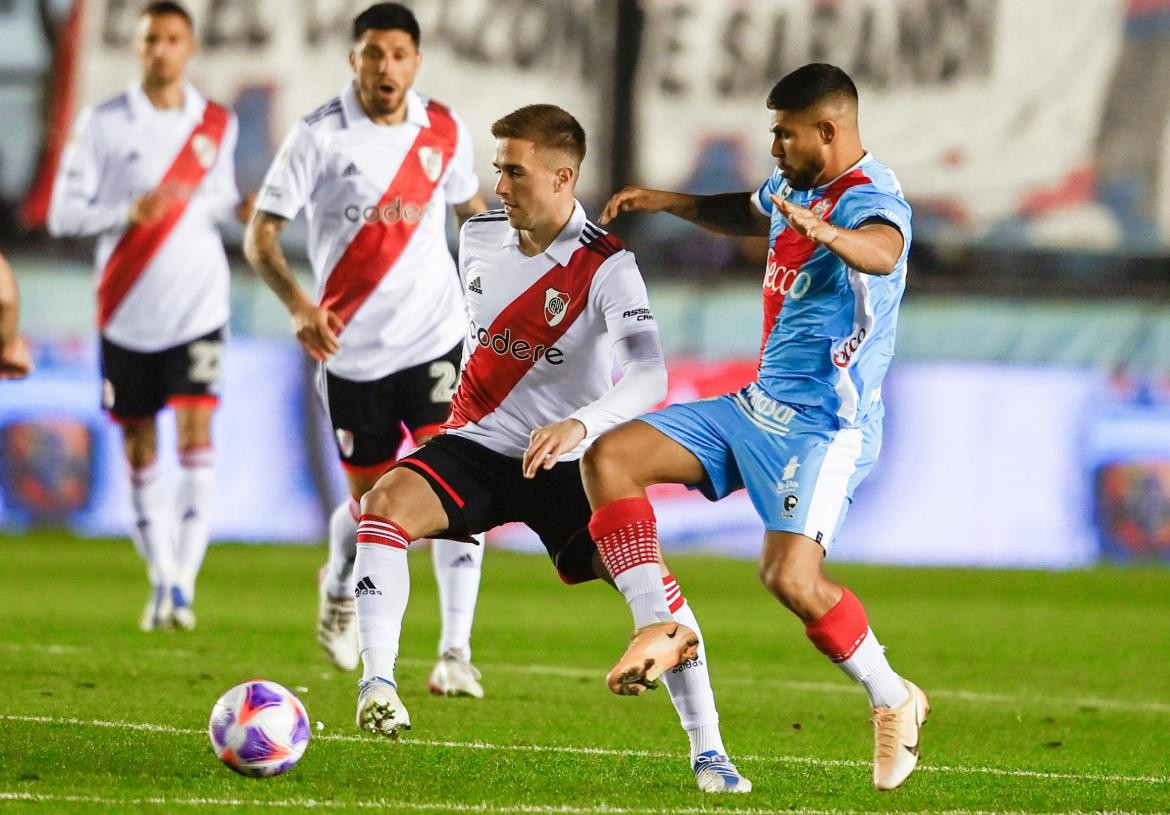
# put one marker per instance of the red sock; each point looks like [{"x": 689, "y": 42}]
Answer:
[
  {"x": 626, "y": 534},
  {"x": 376, "y": 529},
  {"x": 841, "y": 630}
]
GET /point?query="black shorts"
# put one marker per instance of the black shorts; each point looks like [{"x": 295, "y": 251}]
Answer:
[
  {"x": 368, "y": 417},
  {"x": 481, "y": 489},
  {"x": 137, "y": 384}
]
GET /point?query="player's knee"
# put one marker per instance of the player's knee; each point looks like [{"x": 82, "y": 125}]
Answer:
[
  {"x": 794, "y": 590},
  {"x": 381, "y": 500},
  {"x": 603, "y": 459}
]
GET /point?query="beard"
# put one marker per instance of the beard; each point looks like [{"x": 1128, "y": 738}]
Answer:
[{"x": 804, "y": 178}]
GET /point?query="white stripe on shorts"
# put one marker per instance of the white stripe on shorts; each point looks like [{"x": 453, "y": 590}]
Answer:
[{"x": 828, "y": 496}]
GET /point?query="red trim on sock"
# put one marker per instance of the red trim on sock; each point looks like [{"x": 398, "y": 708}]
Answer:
[
  {"x": 674, "y": 595},
  {"x": 376, "y": 529},
  {"x": 625, "y": 533},
  {"x": 368, "y": 469},
  {"x": 843, "y": 628},
  {"x": 414, "y": 462}
]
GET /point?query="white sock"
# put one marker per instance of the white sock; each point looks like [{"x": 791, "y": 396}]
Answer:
[
  {"x": 194, "y": 497},
  {"x": 343, "y": 525},
  {"x": 868, "y": 665},
  {"x": 457, "y": 570},
  {"x": 642, "y": 588},
  {"x": 381, "y": 594},
  {"x": 152, "y": 534},
  {"x": 691, "y": 694}
]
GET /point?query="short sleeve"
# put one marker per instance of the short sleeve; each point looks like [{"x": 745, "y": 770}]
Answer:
[
  {"x": 461, "y": 183},
  {"x": 762, "y": 197},
  {"x": 860, "y": 205},
  {"x": 291, "y": 176},
  {"x": 620, "y": 294}
]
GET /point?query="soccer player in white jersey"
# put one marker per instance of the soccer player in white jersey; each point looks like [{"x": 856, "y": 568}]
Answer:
[
  {"x": 15, "y": 360},
  {"x": 552, "y": 301},
  {"x": 151, "y": 173},
  {"x": 375, "y": 170},
  {"x": 807, "y": 431}
]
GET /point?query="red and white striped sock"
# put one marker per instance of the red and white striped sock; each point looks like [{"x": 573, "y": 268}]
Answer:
[
  {"x": 627, "y": 540},
  {"x": 194, "y": 498},
  {"x": 844, "y": 636},
  {"x": 382, "y": 589},
  {"x": 690, "y": 684},
  {"x": 153, "y": 533}
]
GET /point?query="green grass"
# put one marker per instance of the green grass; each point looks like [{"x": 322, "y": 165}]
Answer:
[{"x": 1050, "y": 691}]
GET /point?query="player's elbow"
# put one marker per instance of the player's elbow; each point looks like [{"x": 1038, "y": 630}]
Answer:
[{"x": 255, "y": 244}]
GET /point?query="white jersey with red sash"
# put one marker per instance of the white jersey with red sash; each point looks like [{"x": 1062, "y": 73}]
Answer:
[
  {"x": 541, "y": 332},
  {"x": 376, "y": 200},
  {"x": 164, "y": 283}
]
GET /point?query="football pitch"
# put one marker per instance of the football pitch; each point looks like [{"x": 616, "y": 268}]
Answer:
[{"x": 1051, "y": 692}]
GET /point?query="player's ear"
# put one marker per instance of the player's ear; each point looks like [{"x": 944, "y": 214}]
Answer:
[
  {"x": 828, "y": 130},
  {"x": 353, "y": 59},
  {"x": 565, "y": 176}
]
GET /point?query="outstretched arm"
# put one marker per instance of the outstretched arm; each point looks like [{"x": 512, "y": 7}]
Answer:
[
  {"x": 316, "y": 327},
  {"x": 729, "y": 213},
  {"x": 872, "y": 248}
]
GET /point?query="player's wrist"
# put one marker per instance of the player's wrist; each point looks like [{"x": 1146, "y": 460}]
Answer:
[{"x": 833, "y": 237}]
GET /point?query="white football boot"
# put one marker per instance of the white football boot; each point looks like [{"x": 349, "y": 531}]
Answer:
[
  {"x": 380, "y": 711},
  {"x": 896, "y": 734},
  {"x": 653, "y": 650},
  {"x": 455, "y": 676},
  {"x": 714, "y": 772},
  {"x": 182, "y": 615},
  {"x": 156, "y": 615},
  {"x": 337, "y": 628}
]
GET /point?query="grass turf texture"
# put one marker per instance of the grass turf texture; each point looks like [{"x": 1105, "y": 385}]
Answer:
[{"x": 1050, "y": 692}]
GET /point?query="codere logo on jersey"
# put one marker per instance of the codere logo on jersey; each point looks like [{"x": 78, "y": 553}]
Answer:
[
  {"x": 505, "y": 345},
  {"x": 556, "y": 304}
]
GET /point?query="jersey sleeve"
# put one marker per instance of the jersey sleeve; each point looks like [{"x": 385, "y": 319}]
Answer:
[
  {"x": 76, "y": 207},
  {"x": 292, "y": 175},
  {"x": 620, "y": 295},
  {"x": 461, "y": 183},
  {"x": 762, "y": 197},
  {"x": 859, "y": 205}
]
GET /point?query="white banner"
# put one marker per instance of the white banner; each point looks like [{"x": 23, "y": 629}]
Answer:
[
  {"x": 983, "y": 108},
  {"x": 484, "y": 58}
]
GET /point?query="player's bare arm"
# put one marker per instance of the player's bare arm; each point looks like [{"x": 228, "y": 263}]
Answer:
[
  {"x": 15, "y": 360},
  {"x": 316, "y": 327},
  {"x": 547, "y": 444},
  {"x": 729, "y": 213},
  {"x": 472, "y": 206},
  {"x": 873, "y": 248}
]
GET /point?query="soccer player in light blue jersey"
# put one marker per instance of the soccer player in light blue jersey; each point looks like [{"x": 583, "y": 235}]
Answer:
[{"x": 804, "y": 434}]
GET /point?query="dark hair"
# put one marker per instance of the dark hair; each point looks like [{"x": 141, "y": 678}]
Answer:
[
  {"x": 163, "y": 7},
  {"x": 546, "y": 126},
  {"x": 810, "y": 84},
  {"x": 385, "y": 16}
]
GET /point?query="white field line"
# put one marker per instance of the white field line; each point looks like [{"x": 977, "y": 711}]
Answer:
[
  {"x": 1041, "y": 775},
  {"x": 438, "y": 806},
  {"x": 839, "y": 688}
]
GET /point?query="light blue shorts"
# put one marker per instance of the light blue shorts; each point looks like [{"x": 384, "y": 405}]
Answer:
[{"x": 798, "y": 467}]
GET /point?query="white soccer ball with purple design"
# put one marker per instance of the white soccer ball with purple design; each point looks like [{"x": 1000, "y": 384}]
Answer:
[{"x": 259, "y": 728}]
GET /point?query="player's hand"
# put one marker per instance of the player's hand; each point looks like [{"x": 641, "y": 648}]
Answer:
[
  {"x": 16, "y": 361},
  {"x": 317, "y": 328},
  {"x": 245, "y": 208},
  {"x": 805, "y": 222},
  {"x": 547, "y": 444},
  {"x": 633, "y": 199},
  {"x": 150, "y": 207}
]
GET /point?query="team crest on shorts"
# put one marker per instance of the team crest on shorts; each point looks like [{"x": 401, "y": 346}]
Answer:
[
  {"x": 344, "y": 442},
  {"x": 204, "y": 149},
  {"x": 556, "y": 303},
  {"x": 432, "y": 162}
]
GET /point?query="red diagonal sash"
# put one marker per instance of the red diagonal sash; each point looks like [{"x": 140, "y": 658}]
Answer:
[
  {"x": 140, "y": 242},
  {"x": 489, "y": 376},
  {"x": 378, "y": 245}
]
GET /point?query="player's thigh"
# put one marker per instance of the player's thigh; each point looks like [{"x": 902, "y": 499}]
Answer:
[
  {"x": 409, "y": 500},
  {"x": 367, "y": 427},
  {"x": 424, "y": 392},
  {"x": 554, "y": 506},
  {"x": 133, "y": 386}
]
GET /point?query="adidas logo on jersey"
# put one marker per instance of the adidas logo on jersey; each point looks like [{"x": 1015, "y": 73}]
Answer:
[
  {"x": 350, "y": 170},
  {"x": 475, "y": 286},
  {"x": 365, "y": 586}
]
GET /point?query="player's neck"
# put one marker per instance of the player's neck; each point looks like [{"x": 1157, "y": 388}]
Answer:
[
  {"x": 535, "y": 241},
  {"x": 164, "y": 95},
  {"x": 838, "y": 167}
]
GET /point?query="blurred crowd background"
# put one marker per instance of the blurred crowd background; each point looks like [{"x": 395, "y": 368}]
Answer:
[{"x": 1029, "y": 409}]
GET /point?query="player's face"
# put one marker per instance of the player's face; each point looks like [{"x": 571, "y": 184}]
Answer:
[
  {"x": 164, "y": 43},
  {"x": 385, "y": 63},
  {"x": 799, "y": 147},
  {"x": 528, "y": 182}
]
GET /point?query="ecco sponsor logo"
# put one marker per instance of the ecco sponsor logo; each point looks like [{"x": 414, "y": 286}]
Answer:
[
  {"x": 784, "y": 281},
  {"x": 844, "y": 353},
  {"x": 639, "y": 314},
  {"x": 389, "y": 213},
  {"x": 505, "y": 345}
]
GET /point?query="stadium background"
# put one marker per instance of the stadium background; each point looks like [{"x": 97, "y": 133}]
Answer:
[{"x": 1029, "y": 409}]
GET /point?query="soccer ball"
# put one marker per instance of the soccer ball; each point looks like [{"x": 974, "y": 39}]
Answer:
[{"x": 259, "y": 728}]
